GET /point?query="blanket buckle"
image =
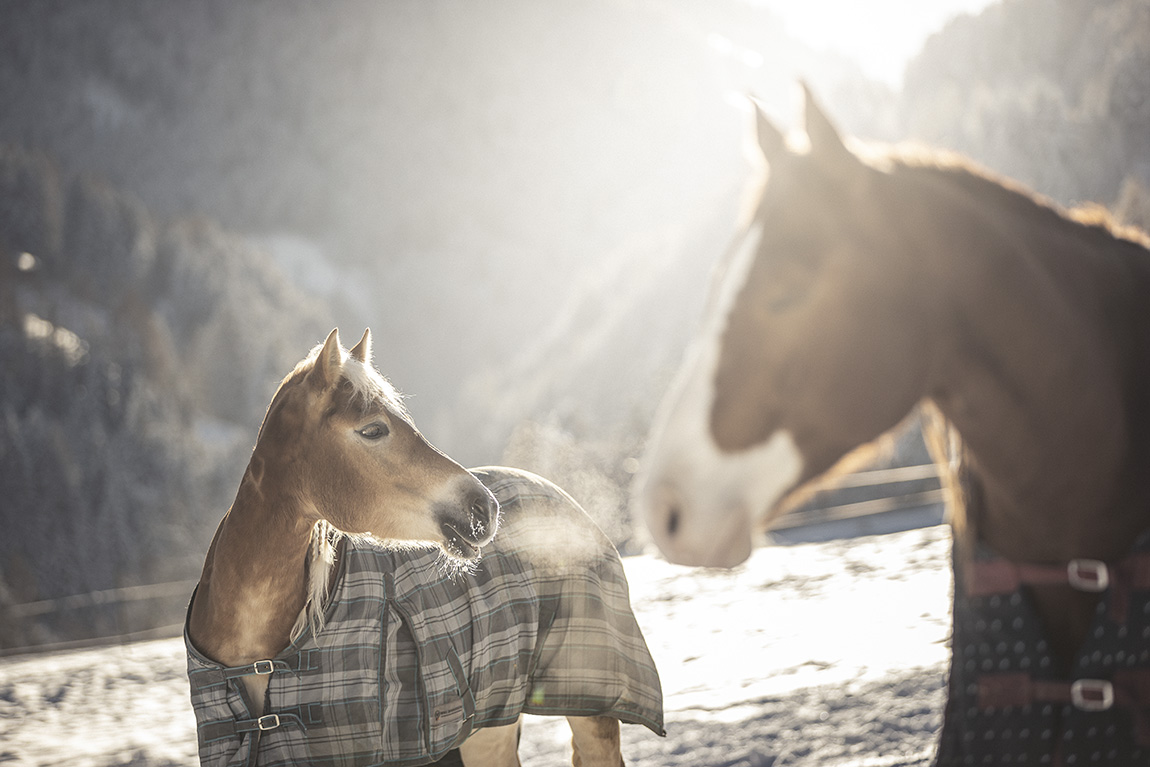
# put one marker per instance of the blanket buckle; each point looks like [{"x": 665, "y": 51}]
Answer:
[
  {"x": 268, "y": 722},
  {"x": 1088, "y": 575},
  {"x": 1092, "y": 694}
]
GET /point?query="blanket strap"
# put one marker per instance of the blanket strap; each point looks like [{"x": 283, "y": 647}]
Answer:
[
  {"x": 305, "y": 660},
  {"x": 302, "y": 717},
  {"x": 204, "y": 678},
  {"x": 1001, "y": 576},
  {"x": 230, "y": 728},
  {"x": 996, "y": 576},
  {"x": 1129, "y": 689}
]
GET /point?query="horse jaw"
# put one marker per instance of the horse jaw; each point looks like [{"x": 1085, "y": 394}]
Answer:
[{"x": 704, "y": 505}]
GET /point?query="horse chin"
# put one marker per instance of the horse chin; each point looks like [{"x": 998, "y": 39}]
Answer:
[
  {"x": 725, "y": 541},
  {"x": 459, "y": 546},
  {"x": 728, "y": 556},
  {"x": 730, "y": 551}
]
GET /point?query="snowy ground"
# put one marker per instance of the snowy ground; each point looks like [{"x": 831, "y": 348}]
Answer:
[{"x": 827, "y": 654}]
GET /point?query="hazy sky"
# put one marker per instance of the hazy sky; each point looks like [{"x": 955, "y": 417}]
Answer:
[{"x": 882, "y": 35}]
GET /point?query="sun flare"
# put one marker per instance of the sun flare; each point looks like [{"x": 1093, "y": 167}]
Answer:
[{"x": 882, "y": 36}]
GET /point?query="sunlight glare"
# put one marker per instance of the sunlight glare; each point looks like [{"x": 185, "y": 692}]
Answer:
[
  {"x": 727, "y": 47},
  {"x": 882, "y": 35}
]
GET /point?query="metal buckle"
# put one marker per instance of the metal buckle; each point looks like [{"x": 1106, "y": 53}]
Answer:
[
  {"x": 1088, "y": 575},
  {"x": 1092, "y": 695},
  {"x": 263, "y": 667},
  {"x": 268, "y": 722}
]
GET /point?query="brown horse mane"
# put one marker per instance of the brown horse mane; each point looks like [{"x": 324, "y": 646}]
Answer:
[{"x": 1089, "y": 220}]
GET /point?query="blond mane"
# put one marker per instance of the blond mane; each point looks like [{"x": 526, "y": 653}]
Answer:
[
  {"x": 367, "y": 384},
  {"x": 322, "y": 546}
]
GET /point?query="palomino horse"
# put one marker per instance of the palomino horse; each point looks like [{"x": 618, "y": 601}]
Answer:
[
  {"x": 336, "y": 452},
  {"x": 862, "y": 290}
]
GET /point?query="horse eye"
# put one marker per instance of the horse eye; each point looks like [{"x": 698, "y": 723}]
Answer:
[{"x": 374, "y": 431}]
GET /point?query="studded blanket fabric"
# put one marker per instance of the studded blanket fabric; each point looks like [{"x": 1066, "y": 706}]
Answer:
[
  {"x": 414, "y": 656},
  {"x": 1008, "y": 706}
]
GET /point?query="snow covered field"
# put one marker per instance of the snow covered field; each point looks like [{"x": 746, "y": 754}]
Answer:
[{"x": 827, "y": 654}]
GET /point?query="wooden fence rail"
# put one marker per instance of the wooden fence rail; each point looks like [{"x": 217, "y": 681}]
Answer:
[
  {"x": 105, "y": 597},
  {"x": 897, "y": 488}
]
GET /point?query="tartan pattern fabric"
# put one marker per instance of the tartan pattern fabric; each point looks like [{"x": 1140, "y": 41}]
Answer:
[{"x": 415, "y": 656}]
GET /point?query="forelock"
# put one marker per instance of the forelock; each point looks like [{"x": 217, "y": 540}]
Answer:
[
  {"x": 369, "y": 389},
  {"x": 361, "y": 386}
]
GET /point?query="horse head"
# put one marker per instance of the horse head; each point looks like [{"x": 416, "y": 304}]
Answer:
[
  {"x": 790, "y": 371},
  {"x": 338, "y": 444}
]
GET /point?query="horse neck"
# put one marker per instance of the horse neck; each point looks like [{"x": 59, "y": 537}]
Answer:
[
  {"x": 253, "y": 584},
  {"x": 1037, "y": 384}
]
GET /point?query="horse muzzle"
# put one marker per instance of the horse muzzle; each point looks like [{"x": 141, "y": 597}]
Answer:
[
  {"x": 695, "y": 534},
  {"x": 471, "y": 523}
]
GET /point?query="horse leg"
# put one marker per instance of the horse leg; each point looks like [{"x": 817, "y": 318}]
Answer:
[
  {"x": 492, "y": 747},
  {"x": 595, "y": 741}
]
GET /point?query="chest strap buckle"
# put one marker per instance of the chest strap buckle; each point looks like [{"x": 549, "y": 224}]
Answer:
[
  {"x": 268, "y": 722},
  {"x": 1088, "y": 575},
  {"x": 1092, "y": 695},
  {"x": 263, "y": 667}
]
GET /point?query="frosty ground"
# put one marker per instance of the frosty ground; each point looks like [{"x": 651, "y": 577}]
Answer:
[{"x": 828, "y": 654}]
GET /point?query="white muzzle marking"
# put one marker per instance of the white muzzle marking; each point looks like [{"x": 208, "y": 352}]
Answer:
[{"x": 703, "y": 505}]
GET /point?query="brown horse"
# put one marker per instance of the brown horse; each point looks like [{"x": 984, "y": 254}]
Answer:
[
  {"x": 862, "y": 290},
  {"x": 338, "y": 453}
]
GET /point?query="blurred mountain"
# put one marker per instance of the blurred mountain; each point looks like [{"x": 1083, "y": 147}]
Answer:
[
  {"x": 1053, "y": 93},
  {"x": 467, "y": 162},
  {"x": 136, "y": 359}
]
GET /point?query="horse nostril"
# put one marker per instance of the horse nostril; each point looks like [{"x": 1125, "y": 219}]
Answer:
[
  {"x": 480, "y": 513},
  {"x": 673, "y": 521}
]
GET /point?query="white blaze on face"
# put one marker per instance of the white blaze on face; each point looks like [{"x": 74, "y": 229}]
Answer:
[{"x": 701, "y": 504}]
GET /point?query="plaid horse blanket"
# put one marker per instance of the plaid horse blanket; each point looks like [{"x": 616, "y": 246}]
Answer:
[{"x": 415, "y": 655}]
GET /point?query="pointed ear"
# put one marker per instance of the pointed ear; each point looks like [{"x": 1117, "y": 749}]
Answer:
[
  {"x": 826, "y": 145},
  {"x": 771, "y": 140},
  {"x": 362, "y": 350},
  {"x": 328, "y": 365}
]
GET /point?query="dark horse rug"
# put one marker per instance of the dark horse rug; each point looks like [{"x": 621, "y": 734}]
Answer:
[
  {"x": 1008, "y": 705},
  {"x": 415, "y": 655}
]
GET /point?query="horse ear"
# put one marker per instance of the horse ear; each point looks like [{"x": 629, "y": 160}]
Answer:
[
  {"x": 328, "y": 364},
  {"x": 362, "y": 350},
  {"x": 772, "y": 143},
  {"x": 826, "y": 144}
]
